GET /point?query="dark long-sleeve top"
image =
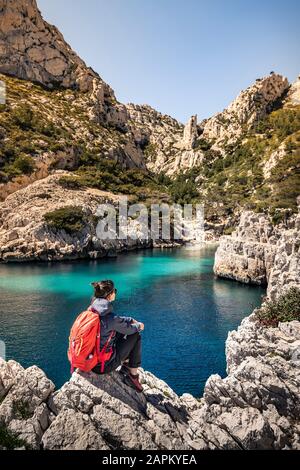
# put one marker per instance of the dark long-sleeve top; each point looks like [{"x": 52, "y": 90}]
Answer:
[{"x": 111, "y": 322}]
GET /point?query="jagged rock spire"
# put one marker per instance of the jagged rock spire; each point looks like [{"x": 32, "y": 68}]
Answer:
[{"x": 190, "y": 133}]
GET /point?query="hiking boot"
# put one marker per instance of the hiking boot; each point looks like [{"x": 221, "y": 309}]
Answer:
[
  {"x": 124, "y": 369},
  {"x": 133, "y": 382}
]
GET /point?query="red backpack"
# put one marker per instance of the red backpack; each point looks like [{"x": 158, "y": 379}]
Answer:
[{"x": 84, "y": 343}]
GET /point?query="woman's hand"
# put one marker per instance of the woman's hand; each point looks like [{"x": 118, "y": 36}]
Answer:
[{"x": 140, "y": 324}]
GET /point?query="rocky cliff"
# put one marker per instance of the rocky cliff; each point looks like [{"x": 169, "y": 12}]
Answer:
[
  {"x": 60, "y": 114},
  {"x": 25, "y": 234},
  {"x": 175, "y": 148},
  {"x": 247, "y": 109},
  {"x": 63, "y": 98},
  {"x": 55, "y": 129},
  {"x": 246, "y": 157},
  {"x": 257, "y": 406},
  {"x": 260, "y": 253},
  {"x": 34, "y": 50}
]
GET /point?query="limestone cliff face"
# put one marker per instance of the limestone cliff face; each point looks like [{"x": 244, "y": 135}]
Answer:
[
  {"x": 293, "y": 97},
  {"x": 257, "y": 406},
  {"x": 175, "y": 148},
  {"x": 135, "y": 136},
  {"x": 158, "y": 134},
  {"x": 168, "y": 145},
  {"x": 251, "y": 105},
  {"x": 260, "y": 253},
  {"x": 190, "y": 133},
  {"x": 34, "y": 50}
]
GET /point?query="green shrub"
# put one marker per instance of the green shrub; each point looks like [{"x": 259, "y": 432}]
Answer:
[
  {"x": 135, "y": 177},
  {"x": 286, "y": 308},
  {"x": 108, "y": 175},
  {"x": 282, "y": 122},
  {"x": 228, "y": 230},
  {"x": 24, "y": 164},
  {"x": 22, "y": 410},
  {"x": 183, "y": 192},
  {"x": 23, "y": 117},
  {"x": 71, "y": 219},
  {"x": 9, "y": 440},
  {"x": 150, "y": 152},
  {"x": 163, "y": 179},
  {"x": 70, "y": 182},
  {"x": 57, "y": 147},
  {"x": 49, "y": 129},
  {"x": 202, "y": 144},
  {"x": 88, "y": 158},
  {"x": 126, "y": 188},
  {"x": 7, "y": 154}
]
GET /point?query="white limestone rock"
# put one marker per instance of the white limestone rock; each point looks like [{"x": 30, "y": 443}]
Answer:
[
  {"x": 257, "y": 406},
  {"x": 23, "y": 212},
  {"x": 260, "y": 253},
  {"x": 251, "y": 105}
]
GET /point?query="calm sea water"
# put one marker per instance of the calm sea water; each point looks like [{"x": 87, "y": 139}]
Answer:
[{"x": 186, "y": 311}]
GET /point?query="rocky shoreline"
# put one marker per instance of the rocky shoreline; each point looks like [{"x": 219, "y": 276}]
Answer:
[
  {"x": 257, "y": 406},
  {"x": 25, "y": 235},
  {"x": 260, "y": 253}
]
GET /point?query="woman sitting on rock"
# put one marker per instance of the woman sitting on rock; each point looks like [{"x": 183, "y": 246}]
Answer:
[{"x": 121, "y": 334}]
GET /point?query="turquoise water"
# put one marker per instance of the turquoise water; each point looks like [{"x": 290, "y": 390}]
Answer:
[{"x": 186, "y": 311}]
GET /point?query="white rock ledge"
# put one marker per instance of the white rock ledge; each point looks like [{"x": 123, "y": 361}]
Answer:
[{"x": 257, "y": 406}]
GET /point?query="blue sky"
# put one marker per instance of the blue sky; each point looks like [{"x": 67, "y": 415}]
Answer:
[{"x": 182, "y": 57}]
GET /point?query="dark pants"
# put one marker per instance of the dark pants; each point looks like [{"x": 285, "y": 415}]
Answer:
[{"x": 127, "y": 347}]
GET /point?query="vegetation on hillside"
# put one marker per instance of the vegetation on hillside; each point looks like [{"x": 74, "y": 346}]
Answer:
[
  {"x": 69, "y": 218},
  {"x": 237, "y": 180},
  {"x": 286, "y": 308},
  {"x": 36, "y": 124},
  {"x": 107, "y": 175},
  {"x": 35, "y": 121}
]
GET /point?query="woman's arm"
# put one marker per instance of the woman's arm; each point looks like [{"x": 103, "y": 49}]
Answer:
[{"x": 126, "y": 325}]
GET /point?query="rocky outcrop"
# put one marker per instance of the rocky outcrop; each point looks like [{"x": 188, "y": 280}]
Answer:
[
  {"x": 174, "y": 147},
  {"x": 158, "y": 135},
  {"x": 251, "y": 105},
  {"x": 190, "y": 133},
  {"x": 32, "y": 49},
  {"x": 25, "y": 235},
  {"x": 23, "y": 398},
  {"x": 260, "y": 253},
  {"x": 135, "y": 136},
  {"x": 293, "y": 98},
  {"x": 64, "y": 127},
  {"x": 257, "y": 406},
  {"x": 168, "y": 145},
  {"x": 274, "y": 159}
]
